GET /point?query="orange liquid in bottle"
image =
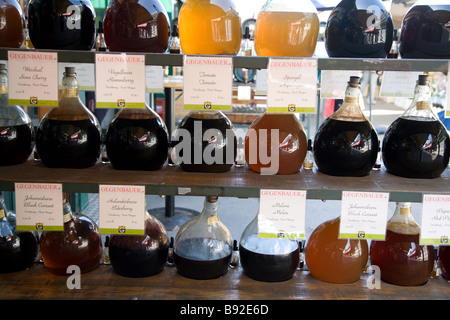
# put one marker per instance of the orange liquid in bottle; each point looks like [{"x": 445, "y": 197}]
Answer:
[
  {"x": 212, "y": 29},
  {"x": 286, "y": 34},
  {"x": 334, "y": 260},
  {"x": 12, "y": 20}
]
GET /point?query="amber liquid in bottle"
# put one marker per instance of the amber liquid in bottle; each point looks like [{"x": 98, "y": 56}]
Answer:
[{"x": 12, "y": 21}]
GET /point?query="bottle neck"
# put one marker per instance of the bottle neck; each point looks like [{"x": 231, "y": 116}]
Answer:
[
  {"x": 2, "y": 207},
  {"x": 70, "y": 87},
  {"x": 209, "y": 211},
  {"x": 403, "y": 221},
  {"x": 421, "y": 104},
  {"x": 67, "y": 212},
  {"x": 350, "y": 109}
]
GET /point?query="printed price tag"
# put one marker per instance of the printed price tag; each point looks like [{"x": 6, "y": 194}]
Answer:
[
  {"x": 332, "y": 85},
  {"x": 207, "y": 83},
  {"x": 292, "y": 85},
  {"x": 39, "y": 206},
  {"x": 85, "y": 75},
  {"x": 154, "y": 77},
  {"x": 120, "y": 80},
  {"x": 399, "y": 84},
  {"x": 363, "y": 215},
  {"x": 122, "y": 209},
  {"x": 435, "y": 228},
  {"x": 282, "y": 214},
  {"x": 33, "y": 78},
  {"x": 261, "y": 82}
]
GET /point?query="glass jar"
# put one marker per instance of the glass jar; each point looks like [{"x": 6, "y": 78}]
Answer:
[
  {"x": 207, "y": 142},
  {"x": 335, "y": 260},
  {"x": 209, "y": 27},
  {"x": 140, "y": 255},
  {"x": 18, "y": 249},
  {"x": 417, "y": 144},
  {"x": 444, "y": 261},
  {"x": 203, "y": 245},
  {"x": 62, "y": 24},
  {"x": 12, "y": 24},
  {"x": 137, "y": 139},
  {"x": 69, "y": 136},
  {"x": 346, "y": 143},
  {"x": 268, "y": 260},
  {"x": 400, "y": 257},
  {"x": 275, "y": 143},
  {"x": 359, "y": 29},
  {"x": 136, "y": 26},
  {"x": 16, "y": 129},
  {"x": 425, "y": 32},
  {"x": 287, "y": 28},
  {"x": 79, "y": 244}
]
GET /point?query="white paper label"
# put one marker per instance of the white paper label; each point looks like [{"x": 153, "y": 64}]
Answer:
[
  {"x": 120, "y": 80},
  {"x": 363, "y": 215},
  {"x": 261, "y": 82},
  {"x": 154, "y": 77},
  {"x": 33, "y": 78},
  {"x": 85, "y": 74},
  {"x": 333, "y": 84},
  {"x": 207, "y": 83},
  {"x": 399, "y": 84},
  {"x": 39, "y": 206},
  {"x": 435, "y": 228},
  {"x": 122, "y": 209},
  {"x": 282, "y": 214},
  {"x": 292, "y": 85}
]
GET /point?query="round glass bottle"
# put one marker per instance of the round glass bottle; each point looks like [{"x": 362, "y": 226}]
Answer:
[
  {"x": 444, "y": 261},
  {"x": 287, "y": 28},
  {"x": 69, "y": 136},
  {"x": 79, "y": 244},
  {"x": 359, "y": 29},
  {"x": 207, "y": 142},
  {"x": 203, "y": 245},
  {"x": 268, "y": 260},
  {"x": 400, "y": 257},
  {"x": 16, "y": 129},
  {"x": 209, "y": 27},
  {"x": 335, "y": 260},
  {"x": 136, "y": 26},
  {"x": 417, "y": 144},
  {"x": 140, "y": 255},
  {"x": 12, "y": 24},
  {"x": 346, "y": 143},
  {"x": 425, "y": 32},
  {"x": 62, "y": 24},
  {"x": 18, "y": 249},
  {"x": 137, "y": 139},
  {"x": 279, "y": 132}
]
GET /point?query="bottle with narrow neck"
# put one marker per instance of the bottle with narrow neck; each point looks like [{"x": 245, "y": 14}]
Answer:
[
  {"x": 346, "y": 143},
  {"x": 417, "y": 144},
  {"x": 12, "y": 22},
  {"x": 400, "y": 257},
  {"x": 16, "y": 128},
  {"x": 69, "y": 136}
]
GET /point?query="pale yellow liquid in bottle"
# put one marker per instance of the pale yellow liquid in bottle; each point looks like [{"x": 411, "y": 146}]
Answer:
[
  {"x": 286, "y": 34},
  {"x": 206, "y": 28}
]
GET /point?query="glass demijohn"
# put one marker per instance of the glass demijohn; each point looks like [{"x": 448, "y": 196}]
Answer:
[{"x": 12, "y": 22}]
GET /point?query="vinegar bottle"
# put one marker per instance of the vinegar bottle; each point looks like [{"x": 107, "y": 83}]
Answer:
[
  {"x": 417, "y": 144},
  {"x": 275, "y": 143},
  {"x": 12, "y": 24},
  {"x": 16, "y": 129},
  {"x": 346, "y": 143},
  {"x": 287, "y": 28},
  {"x": 209, "y": 27},
  {"x": 335, "y": 260},
  {"x": 69, "y": 136},
  {"x": 79, "y": 244},
  {"x": 137, "y": 139},
  {"x": 400, "y": 257}
]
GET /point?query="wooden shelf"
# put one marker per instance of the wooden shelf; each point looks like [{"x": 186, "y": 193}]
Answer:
[{"x": 238, "y": 182}]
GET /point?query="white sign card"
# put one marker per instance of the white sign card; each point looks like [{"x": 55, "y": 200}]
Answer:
[
  {"x": 261, "y": 82},
  {"x": 399, "y": 84},
  {"x": 292, "y": 85},
  {"x": 333, "y": 83},
  {"x": 447, "y": 110},
  {"x": 435, "y": 229},
  {"x": 154, "y": 79},
  {"x": 122, "y": 209},
  {"x": 85, "y": 74},
  {"x": 39, "y": 206},
  {"x": 207, "y": 83},
  {"x": 363, "y": 215},
  {"x": 33, "y": 78},
  {"x": 282, "y": 214},
  {"x": 120, "y": 80}
]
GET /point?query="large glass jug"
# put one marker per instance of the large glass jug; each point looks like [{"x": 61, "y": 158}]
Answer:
[
  {"x": 287, "y": 28},
  {"x": 62, "y": 24},
  {"x": 425, "y": 32},
  {"x": 444, "y": 261},
  {"x": 12, "y": 23},
  {"x": 359, "y": 29},
  {"x": 136, "y": 26},
  {"x": 209, "y": 27}
]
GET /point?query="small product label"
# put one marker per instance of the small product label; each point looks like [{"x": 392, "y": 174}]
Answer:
[{"x": 435, "y": 229}]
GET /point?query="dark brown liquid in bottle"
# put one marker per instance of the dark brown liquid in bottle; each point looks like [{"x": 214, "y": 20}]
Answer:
[
  {"x": 12, "y": 21},
  {"x": 17, "y": 252},
  {"x": 444, "y": 261},
  {"x": 16, "y": 143}
]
